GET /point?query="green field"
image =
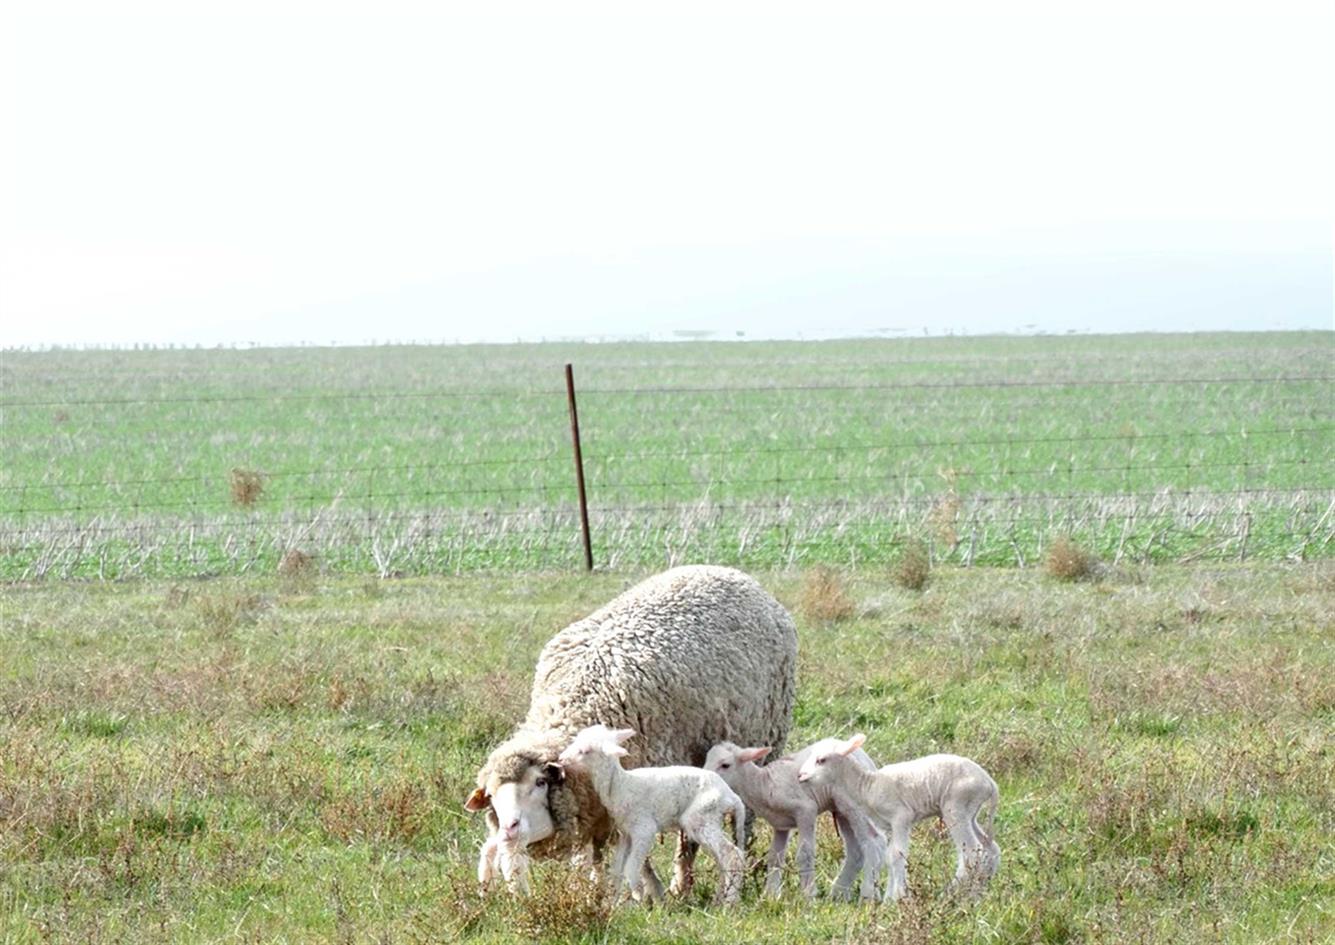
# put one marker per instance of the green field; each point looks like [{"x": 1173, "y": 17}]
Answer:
[
  {"x": 418, "y": 460},
  {"x": 253, "y": 760}
]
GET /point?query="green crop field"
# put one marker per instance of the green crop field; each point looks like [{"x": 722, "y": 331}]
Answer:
[
  {"x": 272, "y": 760},
  {"x": 414, "y": 460}
]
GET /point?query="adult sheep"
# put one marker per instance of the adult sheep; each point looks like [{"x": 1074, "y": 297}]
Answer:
[{"x": 688, "y": 658}]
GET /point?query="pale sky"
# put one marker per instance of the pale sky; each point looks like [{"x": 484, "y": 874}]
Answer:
[{"x": 282, "y": 172}]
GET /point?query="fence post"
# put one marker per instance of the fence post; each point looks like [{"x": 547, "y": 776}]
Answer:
[{"x": 579, "y": 469}]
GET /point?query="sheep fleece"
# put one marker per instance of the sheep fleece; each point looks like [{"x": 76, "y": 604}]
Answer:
[{"x": 690, "y": 657}]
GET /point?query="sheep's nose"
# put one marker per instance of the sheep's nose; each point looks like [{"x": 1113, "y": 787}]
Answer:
[
  {"x": 803, "y": 776},
  {"x": 511, "y": 829}
]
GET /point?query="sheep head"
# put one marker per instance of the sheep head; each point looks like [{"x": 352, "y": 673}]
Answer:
[{"x": 820, "y": 762}]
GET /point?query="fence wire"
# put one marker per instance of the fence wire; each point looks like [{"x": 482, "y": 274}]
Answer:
[{"x": 1231, "y": 491}]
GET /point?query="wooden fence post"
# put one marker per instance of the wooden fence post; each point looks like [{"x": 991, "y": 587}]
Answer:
[{"x": 579, "y": 469}]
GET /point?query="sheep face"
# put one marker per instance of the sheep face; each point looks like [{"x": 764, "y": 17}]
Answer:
[
  {"x": 725, "y": 758},
  {"x": 520, "y": 805},
  {"x": 596, "y": 739},
  {"x": 817, "y": 767}
]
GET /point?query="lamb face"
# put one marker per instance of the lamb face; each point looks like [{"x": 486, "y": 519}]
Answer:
[
  {"x": 726, "y": 759},
  {"x": 819, "y": 766}
]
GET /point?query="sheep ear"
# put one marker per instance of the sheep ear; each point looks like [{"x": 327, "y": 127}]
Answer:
[
  {"x": 616, "y": 751},
  {"x": 553, "y": 772},
  {"x": 854, "y": 744},
  {"x": 477, "y": 801},
  {"x": 752, "y": 754},
  {"x": 623, "y": 735}
]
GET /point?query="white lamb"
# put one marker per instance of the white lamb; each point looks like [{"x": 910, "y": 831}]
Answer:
[
  {"x": 775, "y": 794},
  {"x": 644, "y": 802},
  {"x": 899, "y": 795},
  {"x": 506, "y": 856}
]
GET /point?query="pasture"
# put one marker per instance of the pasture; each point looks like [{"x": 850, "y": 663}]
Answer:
[
  {"x": 327, "y": 574},
  {"x": 260, "y": 760},
  {"x": 276, "y": 760},
  {"x": 427, "y": 460}
]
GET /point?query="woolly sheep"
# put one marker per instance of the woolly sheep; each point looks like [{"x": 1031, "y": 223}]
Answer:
[
  {"x": 692, "y": 656},
  {"x": 644, "y": 802},
  {"x": 899, "y": 795},
  {"x": 775, "y": 794}
]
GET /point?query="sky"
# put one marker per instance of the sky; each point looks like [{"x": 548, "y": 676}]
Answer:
[{"x": 280, "y": 172}]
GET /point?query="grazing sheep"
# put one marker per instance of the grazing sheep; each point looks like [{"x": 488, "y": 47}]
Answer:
[
  {"x": 899, "y": 795},
  {"x": 692, "y": 656},
  {"x": 774, "y": 793},
  {"x": 644, "y": 802}
]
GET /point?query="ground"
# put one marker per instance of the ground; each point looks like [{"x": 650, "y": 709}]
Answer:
[{"x": 268, "y": 759}]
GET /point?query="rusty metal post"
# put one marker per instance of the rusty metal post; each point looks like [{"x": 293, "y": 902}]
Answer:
[{"x": 579, "y": 469}]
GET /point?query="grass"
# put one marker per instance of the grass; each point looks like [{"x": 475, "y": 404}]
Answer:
[
  {"x": 418, "y": 460},
  {"x": 257, "y": 759}
]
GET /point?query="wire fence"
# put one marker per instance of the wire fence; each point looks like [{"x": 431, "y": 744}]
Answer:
[{"x": 768, "y": 485}]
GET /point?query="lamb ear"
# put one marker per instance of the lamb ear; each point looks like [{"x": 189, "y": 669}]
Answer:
[
  {"x": 616, "y": 751},
  {"x": 753, "y": 754},
  {"x": 623, "y": 735},
  {"x": 477, "y": 801},
  {"x": 853, "y": 744},
  {"x": 553, "y": 772}
]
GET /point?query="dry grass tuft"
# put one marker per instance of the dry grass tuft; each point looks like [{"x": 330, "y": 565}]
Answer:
[
  {"x": 914, "y": 566},
  {"x": 223, "y": 612},
  {"x": 297, "y": 571},
  {"x": 825, "y": 598},
  {"x": 568, "y": 906},
  {"x": 295, "y": 563},
  {"x": 247, "y": 487},
  {"x": 345, "y": 692},
  {"x": 176, "y": 597},
  {"x": 398, "y": 812},
  {"x": 1067, "y": 561}
]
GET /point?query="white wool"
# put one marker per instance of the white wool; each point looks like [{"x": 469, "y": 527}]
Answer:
[
  {"x": 897, "y": 796},
  {"x": 646, "y": 801},
  {"x": 774, "y": 793},
  {"x": 689, "y": 657}
]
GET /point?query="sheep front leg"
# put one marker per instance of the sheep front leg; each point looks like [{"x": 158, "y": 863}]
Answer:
[
  {"x": 875, "y": 855},
  {"x": 898, "y": 886},
  {"x": 842, "y": 890},
  {"x": 617, "y": 875},
  {"x": 486, "y": 861},
  {"x": 869, "y": 842},
  {"x": 806, "y": 853},
  {"x": 774, "y": 860},
  {"x": 636, "y": 855},
  {"x": 514, "y": 867}
]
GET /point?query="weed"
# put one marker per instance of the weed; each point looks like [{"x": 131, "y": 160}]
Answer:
[
  {"x": 172, "y": 824},
  {"x": 567, "y": 905},
  {"x": 913, "y": 567},
  {"x": 296, "y": 566},
  {"x": 824, "y": 597},
  {"x": 95, "y": 723},
  {"x": 247, "y": 486},
  {"x": 1067, "y": 561},
  {"x": 224, "y": 611},
  {"x": 397, "y": 812}
]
